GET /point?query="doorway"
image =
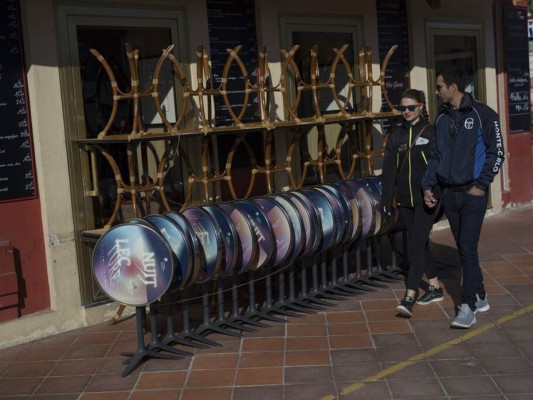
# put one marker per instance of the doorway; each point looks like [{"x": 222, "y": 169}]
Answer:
[{"x": 460, "y": 48}]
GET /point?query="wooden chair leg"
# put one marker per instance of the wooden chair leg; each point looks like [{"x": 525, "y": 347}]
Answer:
[{"x": 117, "y": 315}]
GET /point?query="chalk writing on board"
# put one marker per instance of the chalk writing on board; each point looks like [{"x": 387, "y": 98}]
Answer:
[
  {"x": 17, "y": 176},
  {"x": 517, "y": 68}
]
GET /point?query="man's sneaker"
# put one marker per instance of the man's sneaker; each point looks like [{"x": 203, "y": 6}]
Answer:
[
  {"x": 465, "y": 317},
  {"x": 432, "y": 294},
  {"x": 482, "y": 305},
  {"x": 405, "y": 307}
]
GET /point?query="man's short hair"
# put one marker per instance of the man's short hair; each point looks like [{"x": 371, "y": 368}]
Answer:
[{"x": 453, "y": 75}]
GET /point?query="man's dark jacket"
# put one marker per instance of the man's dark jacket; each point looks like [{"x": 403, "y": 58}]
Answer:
[{"x": 469, "y": 147}]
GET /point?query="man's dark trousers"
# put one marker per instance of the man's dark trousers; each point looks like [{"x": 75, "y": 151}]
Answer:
[{"x": 465, "y": 213}]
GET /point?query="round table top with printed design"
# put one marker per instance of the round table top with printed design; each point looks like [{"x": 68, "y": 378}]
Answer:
[
  {"x": 281, "y": 227},
  {"x": 133, "y": 264}
]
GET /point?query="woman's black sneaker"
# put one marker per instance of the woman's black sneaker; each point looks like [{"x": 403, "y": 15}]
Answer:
[
  {"x": 432, "y": 294},
  {"x": 405, "y": 307}
]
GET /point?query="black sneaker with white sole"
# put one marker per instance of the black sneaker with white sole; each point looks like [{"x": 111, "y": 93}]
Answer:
[
  {"x": 432, "y": 294},
  {"x": 405, "y": 307}
]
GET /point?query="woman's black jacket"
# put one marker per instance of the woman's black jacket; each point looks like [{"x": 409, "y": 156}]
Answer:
[{"x": 406, "y": 176}]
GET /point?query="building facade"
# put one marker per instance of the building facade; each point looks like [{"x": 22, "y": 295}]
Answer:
[{"x": 60, "y": 101}]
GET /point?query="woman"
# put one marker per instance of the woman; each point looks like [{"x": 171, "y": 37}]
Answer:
[{"x": 404, "y": 165}]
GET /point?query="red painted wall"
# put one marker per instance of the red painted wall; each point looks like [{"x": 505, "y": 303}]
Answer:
[
  {"x": 520, "y": 166},
  {"x": 21, "y": 225}
]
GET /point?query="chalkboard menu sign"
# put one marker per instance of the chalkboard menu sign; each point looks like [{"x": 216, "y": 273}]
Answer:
[
  {"x": 392, "y": 30},
  {"x": 517, "y": 68},
  {"x": 232, "y": 23},
  {"x": 17, "y": 178}
]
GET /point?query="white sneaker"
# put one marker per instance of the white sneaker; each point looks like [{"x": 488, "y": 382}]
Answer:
[
  {"x": 482, "y": 305},
  {"x": 465, "y": 317}
]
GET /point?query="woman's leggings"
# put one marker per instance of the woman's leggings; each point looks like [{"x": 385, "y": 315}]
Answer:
[{"x": 419, "y": 221}]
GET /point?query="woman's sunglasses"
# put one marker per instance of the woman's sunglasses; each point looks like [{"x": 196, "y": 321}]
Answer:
[{"x": 411, "y": 107}]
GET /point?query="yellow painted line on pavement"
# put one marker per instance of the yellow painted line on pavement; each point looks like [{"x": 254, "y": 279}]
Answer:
[{"x": 434, "y": 350}]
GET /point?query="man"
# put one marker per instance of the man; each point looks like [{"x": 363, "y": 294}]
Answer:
[{"x": 466, "y": 156}]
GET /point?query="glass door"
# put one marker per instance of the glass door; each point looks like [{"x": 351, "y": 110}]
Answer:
[
  {"x": 88, "y": 108},
  {"x": 459, "y": 48}
]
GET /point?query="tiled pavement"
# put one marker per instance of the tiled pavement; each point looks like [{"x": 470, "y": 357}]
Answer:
[{"x": 359, "y": 349}]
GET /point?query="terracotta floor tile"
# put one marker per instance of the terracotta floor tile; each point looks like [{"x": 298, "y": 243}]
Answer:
[
  {"x": 19, "y": 386},
  {"x": 112, "y": 382},
  {"x": 315, "y": 374},
  {"x": 168, "y": 365},
  {"x": 378, "y": 304},
  {"x": 515, "y": 384},
  {"x": 211, "y": 378},
  {"x": 491, "y": 266},
  {"x": 97, "y": 338},
  {"x": 259, "y": 376},
  {"x": 264, "y": 344},
  {"x": 314, "y": 357},
  {"x": 113, "y": 365},
  {"x": 118, "y": 348},
  {"x": 345, "y": 316},
  {"x": 271, "y": 331},
  {"x": 317, "y": 318},
  {"x": 265, "y": 359},
  {"x": 66, "y": 338},
  {"x": 398, "y": 354},
  {"x": 517, "y": 335},
  {"x": 351, "y": 356},
  {"x": 63, "y": 396},
  {"x": 207, "y": 394},
  {"x": 87, "y": 351},
  {"x": 505, "y": 271},
  {"x": 496, "y": 290},
  {"x": 156, "y": 395},
  {"x": 347, "y": 329},
  {"x": 520, "y": 256},
  {"x": 13, "y": 353},
  {"x": 431, "y": 311},
  {"x": 161, "y": 380},
  {"x": 36, "y": 353},
  {"x": 415, "y": 388},
  {"x": 74, "y": 384},
  {"x": 4, "y": 366},
  {"x": 418, "y": 370},
  {"x": 459, "y": 367},
  {"x": 308, "y": 391},
  {"x": 484, "y": 351},
  {"x": 105, "y": 396},
  {"x": 381, "y": 315},
  {"x": 350, "y": 341},
  {"x": 258, "y": 393},
  {"x": 76, "y": 367},
  {"x": 307, "y": 343},
  {"x": 370, "y": 390},
  {"x": 29, "y": 369},
  {"x": 215, "y": 361},
  {"x": 470, "y": 386},
  {"x": 392, "y": 339},
  {"x": 306, "y": 330},
  {"x": 514, "y": 280},
  {"x": 399, "y": 326},
  {"x": 226, "y": 346},
  {"x": 355, "y": 372}
]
